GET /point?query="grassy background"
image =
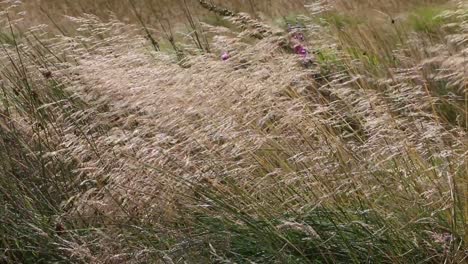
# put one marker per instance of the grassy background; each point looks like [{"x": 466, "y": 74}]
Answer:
[{"x": 124, "y": 138}]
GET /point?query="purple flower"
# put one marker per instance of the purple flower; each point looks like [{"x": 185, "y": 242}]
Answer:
[
  {"x": 299, "y": 36},
  {"x": 225, "y": 56},
  {"x": 300, "y": 50}
]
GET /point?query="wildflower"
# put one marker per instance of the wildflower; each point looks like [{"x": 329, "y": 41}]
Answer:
[
  {"x": 301, "y": 50},
  {"x": 299, "y": 36},
  {"x": 225, "y": 56}
]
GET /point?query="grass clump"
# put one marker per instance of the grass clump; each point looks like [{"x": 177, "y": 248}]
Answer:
[
  {"x": 427, "y": 19},
  {"x": 116, "y": 150}
]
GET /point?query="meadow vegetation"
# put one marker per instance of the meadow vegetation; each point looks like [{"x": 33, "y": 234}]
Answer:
[{"x": 125, "y": 138}]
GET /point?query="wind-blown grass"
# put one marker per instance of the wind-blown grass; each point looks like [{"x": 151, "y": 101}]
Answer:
[{"x": 112, "y": 151}]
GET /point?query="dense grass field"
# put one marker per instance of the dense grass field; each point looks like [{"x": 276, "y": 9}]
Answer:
[{"x": 266, "y": 131}]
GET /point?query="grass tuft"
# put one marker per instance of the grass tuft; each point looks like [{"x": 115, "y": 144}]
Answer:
[{"x": 129, "y": 139}]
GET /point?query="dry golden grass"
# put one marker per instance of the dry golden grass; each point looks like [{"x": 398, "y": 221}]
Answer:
[
  {"x": 153, "y": 12},
  {"x": 113, "y": 152}
]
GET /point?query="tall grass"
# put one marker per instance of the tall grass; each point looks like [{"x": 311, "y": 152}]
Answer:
[{"x": 115, "y": 150}]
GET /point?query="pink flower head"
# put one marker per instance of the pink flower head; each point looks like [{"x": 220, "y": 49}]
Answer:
[
  {"x": 300, "y": 50},
  {"x": 225, "y": 56},
  {"x": 299, "y": 36}
]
